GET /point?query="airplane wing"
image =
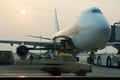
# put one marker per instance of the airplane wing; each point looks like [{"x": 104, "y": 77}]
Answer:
[
  {"x": 22, "y": 49},
  {"x": 32, "y": 43}
]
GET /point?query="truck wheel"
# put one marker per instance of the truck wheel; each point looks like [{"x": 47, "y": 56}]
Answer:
[
  {"x": 88, "y": 60},
  {"x": 81, "y": 73},
  {"x": 99, "y": 60},
  {"x": 55, "y": 72},
  {"x": 108, "y": 64}
]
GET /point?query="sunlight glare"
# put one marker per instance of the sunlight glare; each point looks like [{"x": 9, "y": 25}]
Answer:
[{"x": 23, "y": 12}]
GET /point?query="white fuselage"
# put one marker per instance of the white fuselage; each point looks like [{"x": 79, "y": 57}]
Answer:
[{"x": 90, "y": 31}]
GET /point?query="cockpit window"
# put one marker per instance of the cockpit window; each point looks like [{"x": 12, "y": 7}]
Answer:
[{"x": 95, "y": 11}]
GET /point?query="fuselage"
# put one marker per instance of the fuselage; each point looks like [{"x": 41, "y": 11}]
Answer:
[{"x": 90, "y": 31}]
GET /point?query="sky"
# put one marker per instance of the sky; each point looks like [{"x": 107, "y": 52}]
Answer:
[{"x": 19, "y": 18}]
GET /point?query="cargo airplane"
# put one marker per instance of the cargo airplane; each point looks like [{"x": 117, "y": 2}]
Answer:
[{"x": 90, "y": 31}]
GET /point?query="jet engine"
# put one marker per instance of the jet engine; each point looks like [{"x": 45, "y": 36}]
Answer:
[{"x": 22, "y": 52}]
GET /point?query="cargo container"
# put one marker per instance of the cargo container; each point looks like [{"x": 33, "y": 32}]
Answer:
[{"x": 6, "y": 57}]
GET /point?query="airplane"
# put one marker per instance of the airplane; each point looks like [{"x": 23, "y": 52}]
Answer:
[{"x": 89, "y": 32}]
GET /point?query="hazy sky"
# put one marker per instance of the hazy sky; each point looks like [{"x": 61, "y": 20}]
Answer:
[{"x": 36, "y": 17}]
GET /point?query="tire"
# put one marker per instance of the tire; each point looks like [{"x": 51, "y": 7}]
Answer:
[
  {"x": 108, "y": 63},
  {"x": 88, "y": 60},
  {"x": 81, "y": 73},
  {"x": 99, "y": 60},
  {"x": 55, "y": 72}
]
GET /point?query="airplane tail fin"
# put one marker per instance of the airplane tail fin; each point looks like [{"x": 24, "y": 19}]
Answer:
[{"x": 56, "y": 22}]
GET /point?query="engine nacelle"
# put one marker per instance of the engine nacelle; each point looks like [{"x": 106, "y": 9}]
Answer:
[{"x": 22, "y": 51}]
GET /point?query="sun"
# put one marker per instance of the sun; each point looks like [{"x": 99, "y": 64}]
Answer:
[{"x": 23, "y": 12}]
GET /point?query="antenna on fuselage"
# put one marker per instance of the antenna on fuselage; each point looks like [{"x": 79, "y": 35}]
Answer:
[{"x": 56, "y": 22}]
